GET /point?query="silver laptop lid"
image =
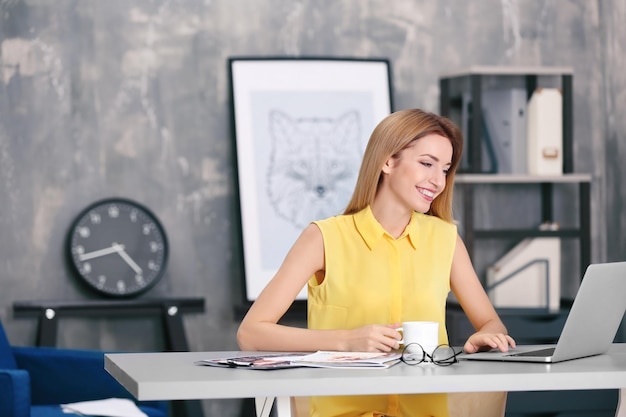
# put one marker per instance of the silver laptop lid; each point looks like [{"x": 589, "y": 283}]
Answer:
[{"x": 596, "y": 314}]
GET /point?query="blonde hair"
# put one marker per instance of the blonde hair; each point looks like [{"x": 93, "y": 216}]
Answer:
[{"x": 393, "y": 134}]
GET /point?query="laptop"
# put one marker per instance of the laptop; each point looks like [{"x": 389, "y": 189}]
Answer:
[{"x": 591, "y": 324}]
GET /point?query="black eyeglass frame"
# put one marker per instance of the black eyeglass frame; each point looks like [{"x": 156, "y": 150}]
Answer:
[{"x": 447, "y": 361}]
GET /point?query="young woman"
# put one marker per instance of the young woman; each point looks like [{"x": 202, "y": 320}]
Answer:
[{"x": 393, "y": 256}]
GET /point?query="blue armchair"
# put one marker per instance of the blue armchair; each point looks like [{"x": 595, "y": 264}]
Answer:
[{"x": 34, "y": 381}]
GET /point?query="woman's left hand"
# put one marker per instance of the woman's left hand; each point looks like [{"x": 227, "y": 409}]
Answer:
[{"x": 481, "y": 341}]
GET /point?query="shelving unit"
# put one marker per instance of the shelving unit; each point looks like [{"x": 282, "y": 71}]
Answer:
[
  {"x": 475, "y": 79},
  {"x": 470, "y": 84},
  {"x": 468, "y": 182},
  {"x": 530, "y": 326},
  {"x": 169, "y": 310}
]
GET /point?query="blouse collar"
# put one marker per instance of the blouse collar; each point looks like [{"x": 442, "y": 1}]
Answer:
[{"x": 371, "y": 231}]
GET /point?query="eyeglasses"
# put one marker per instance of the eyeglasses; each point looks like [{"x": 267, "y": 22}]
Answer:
[{"x": 443, "y": 355}]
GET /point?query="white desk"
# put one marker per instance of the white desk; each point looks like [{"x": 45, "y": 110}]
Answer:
[{"x": 174, "y": 376}]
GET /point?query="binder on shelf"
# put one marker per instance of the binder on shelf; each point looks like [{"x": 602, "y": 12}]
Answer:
[
  {"x": 545, "y": 132},
  {"x": 489, "y": 161},
  {"x": 504, "y": 112},
  {"x": 503, "y": 118},
  {"x": 528, "y": 276}
]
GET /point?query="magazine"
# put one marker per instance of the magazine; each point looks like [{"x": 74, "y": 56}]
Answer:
[
  {"x": 261, "y": 361},
  {"x": 363, "y": 360},
  {"x": 319, "y": 359}
]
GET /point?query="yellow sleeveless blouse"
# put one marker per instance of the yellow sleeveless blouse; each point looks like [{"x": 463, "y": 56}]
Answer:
[{"x": 372, "y": 278}]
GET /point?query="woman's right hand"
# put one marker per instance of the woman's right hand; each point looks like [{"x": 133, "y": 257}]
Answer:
[{"x": 373, "y": 338}]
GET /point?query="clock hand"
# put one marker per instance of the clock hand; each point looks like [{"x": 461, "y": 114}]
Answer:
[
  {"x": 101, "y": 252},
  {"x": 128, "y": 259}
]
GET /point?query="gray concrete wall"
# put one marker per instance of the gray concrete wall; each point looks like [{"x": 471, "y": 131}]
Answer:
[{"x": 130, "y": 98}]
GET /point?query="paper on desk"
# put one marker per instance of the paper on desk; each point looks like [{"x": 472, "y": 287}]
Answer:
[
  {"x": 110, "y": 407},
  {"x": 319, "y": 359}
]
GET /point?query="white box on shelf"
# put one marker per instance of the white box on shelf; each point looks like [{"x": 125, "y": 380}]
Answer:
[
  {"x": 545, "y": 132},
  {"x": 528, "y": 276}
]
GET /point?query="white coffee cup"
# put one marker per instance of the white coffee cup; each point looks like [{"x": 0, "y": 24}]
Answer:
[{"x": 425, "y": 333}]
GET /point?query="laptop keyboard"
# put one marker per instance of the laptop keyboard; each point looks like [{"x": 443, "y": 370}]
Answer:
[{"x": 541, "y": 353}]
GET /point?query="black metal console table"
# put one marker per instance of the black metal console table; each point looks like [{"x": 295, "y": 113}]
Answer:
[{"x": 170, "y": 310}]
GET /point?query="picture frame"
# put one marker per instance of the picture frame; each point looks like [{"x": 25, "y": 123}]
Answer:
[{"x": 300, "y": 128}]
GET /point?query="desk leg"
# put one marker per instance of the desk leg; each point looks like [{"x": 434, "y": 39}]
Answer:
[
  {"x": 283, "y": 407},
  {"x": 264, "y": 406},
  {"x": 621, "y": 404}
]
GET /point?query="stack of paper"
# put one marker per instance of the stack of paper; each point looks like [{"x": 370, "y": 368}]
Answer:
[{"x": 110, "y": 407}]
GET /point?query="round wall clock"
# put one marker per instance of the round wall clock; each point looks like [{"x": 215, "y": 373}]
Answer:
[{"x": 117, "y": 247}]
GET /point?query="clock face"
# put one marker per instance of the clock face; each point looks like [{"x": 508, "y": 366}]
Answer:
[{"x": 118, "y": 247}]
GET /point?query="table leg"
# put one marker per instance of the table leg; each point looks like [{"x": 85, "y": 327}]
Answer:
[
  {"x": 621, "y": 406},
  {"x": 283, "y": 407},
  {"x": 47, "y": 332},
  {"x": 263, "y": 406},
  {"x": 174, "y": 330},
  {"x": 176, "y": 341}
]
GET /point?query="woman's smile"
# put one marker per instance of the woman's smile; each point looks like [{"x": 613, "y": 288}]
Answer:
[{"x": 428, "y": 194}]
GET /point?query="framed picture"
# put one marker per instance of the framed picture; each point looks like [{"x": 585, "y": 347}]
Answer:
[{"x": 300, "y": 129}]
